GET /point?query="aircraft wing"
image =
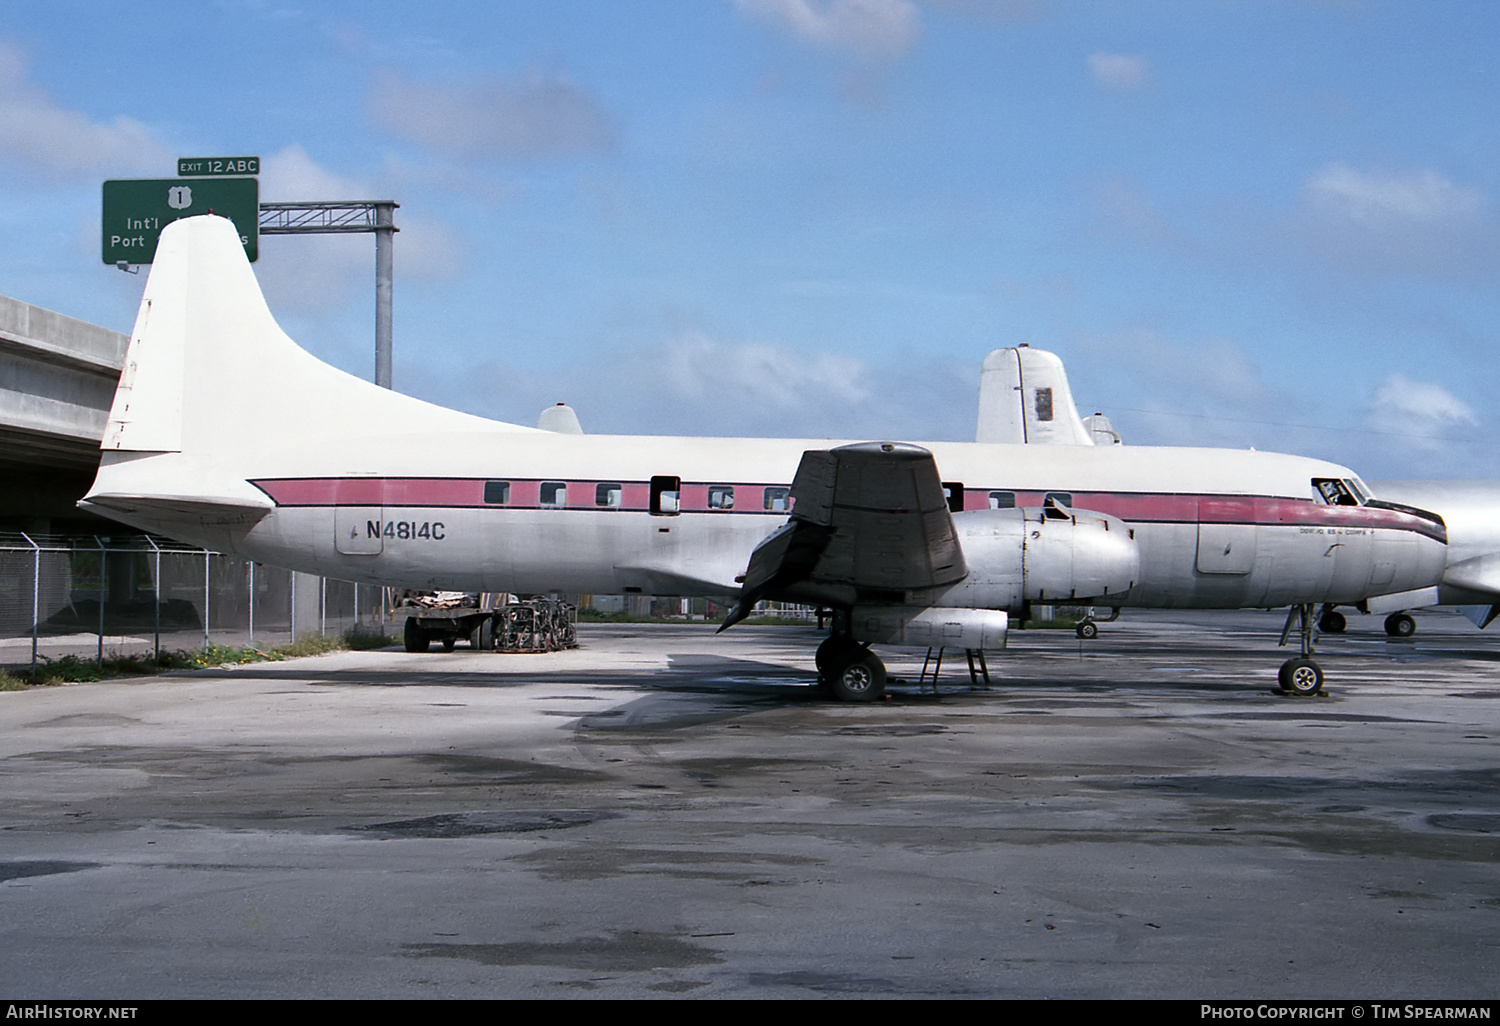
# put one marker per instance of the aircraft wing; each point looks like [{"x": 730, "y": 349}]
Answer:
[{"x": 869, "y": 522}]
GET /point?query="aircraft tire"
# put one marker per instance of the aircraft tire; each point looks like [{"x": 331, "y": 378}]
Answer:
[
  {"x": 1087, "y": 629},
  {"x": 413, "y": 637},
  {"x": 1400, "y": 625},
  {"x": 484, "y": 635},
  {"x": 835, "y": 651},
  {"x": 1332, "y": 622},
  {"x": 1301, "y": 677},
  {"x": 862, "y": 679}
]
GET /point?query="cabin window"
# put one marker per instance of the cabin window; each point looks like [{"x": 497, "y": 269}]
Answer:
[
  {"x": 1002, "y": 500},
  {"x": 778, "y": 500},
  {"x": 666, "y": 496},
  {"x": 1044, "y": 404},
  {"x": 1064, "y": 499},
  {"x": 554, "y": 493},
  {"x": 721, "y": 497},
  {"x": 1332, "y": 492},
  {"x": 953, "y": 491},
  {"x": 608, "y": 494},
  {"x": 496, "y": 493}
]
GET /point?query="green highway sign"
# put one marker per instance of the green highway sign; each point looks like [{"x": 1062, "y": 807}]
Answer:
[
  {"x": 137, "y": 209},
  {"x": 193, "y": 166}
]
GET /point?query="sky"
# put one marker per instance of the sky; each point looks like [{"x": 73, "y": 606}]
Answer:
[{"x": 1268, "y": 223}]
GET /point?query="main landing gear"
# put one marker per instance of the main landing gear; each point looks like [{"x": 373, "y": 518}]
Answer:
[
  {"x": 1397, "y": 625},
  {"x": 1300, "y": 676},
  {"x": 850, "y": 670},
  {"x": 1400, "y": 625}
]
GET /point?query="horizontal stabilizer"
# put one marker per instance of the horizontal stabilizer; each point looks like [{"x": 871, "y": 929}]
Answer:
[{"x": 191, "y": 509}]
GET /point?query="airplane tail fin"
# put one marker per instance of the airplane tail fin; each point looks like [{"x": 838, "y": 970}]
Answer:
[
  {"x": 210, "y": 371},
  {"x": 1024, "y": 397}
]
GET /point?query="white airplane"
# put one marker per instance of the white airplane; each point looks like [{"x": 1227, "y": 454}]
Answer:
[
  {"x": 224, "y": 433},
  {"x": 1019, "y": 382}
]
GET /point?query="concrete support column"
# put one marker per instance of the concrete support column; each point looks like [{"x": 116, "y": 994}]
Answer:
[{"x": 307, "y": 597}]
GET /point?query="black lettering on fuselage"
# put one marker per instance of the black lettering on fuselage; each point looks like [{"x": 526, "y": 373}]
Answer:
[{"x": 407, "y": 530}]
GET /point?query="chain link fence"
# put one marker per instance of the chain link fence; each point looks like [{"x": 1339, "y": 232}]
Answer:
[{"x": 88, "y": 596}]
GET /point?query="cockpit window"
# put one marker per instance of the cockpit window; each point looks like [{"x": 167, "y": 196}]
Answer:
[
  {"x": 1333, "y": 492},
  {"x": 1358, "y": 488}
]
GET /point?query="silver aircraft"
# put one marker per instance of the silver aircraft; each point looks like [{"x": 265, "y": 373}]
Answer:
[
  {"x": 1470, "y": 510},
  {"x": 224, "y": 433}
]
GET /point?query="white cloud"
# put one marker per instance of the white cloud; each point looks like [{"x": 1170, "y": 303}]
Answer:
[
  {"x": 694, "y": 384},
  {"x": 1162, "y": 391},
  {"x": 766, "y": 376},
  {"x": 536, "y": 116},
  {"x": 292, "y": 176},
  {"x": 1119, "y": 71},
  {"x": 1383, "y": 222},
  {"x": 1386, "y": 198},
  {"x": 1420, "y": 411},
  {"x": 872, "y": 28},
  {"x": 44, "y": 137}
]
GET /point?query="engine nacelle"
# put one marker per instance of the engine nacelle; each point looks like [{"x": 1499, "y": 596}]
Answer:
[
  {"x": 929, "y": 626},
  {"x": 1047, "y": 554}
]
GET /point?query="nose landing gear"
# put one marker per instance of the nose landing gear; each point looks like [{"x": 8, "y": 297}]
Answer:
[{"x": 1300, "y": 676}]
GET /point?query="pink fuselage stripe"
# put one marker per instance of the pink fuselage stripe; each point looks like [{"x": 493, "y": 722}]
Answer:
[{"x": 1132, "y": 507}]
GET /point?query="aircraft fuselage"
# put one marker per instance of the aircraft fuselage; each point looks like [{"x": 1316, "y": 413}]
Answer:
[{"x": 536, "y": 512}]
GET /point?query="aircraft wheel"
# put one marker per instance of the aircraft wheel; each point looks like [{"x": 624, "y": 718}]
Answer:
[
  {"x": 1087, "y": 629},
  {"x": 484, "y": 635},
  {"x": 413, "y": 637},
  {"x": 835, "y": 651},
  {"x": 1400, "y": 625},
  {"x": 862, "y": 679},
  {"x": 1301, "y": 677},
  {"x": 1332, "y": 622}
]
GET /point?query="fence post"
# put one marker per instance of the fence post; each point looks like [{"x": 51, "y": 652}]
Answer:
[
  {"x": 252, "y": 602},
  {"x": 36, "y": 586},
  {"x": 156, "y": 597},
  {"x": 205, "y": 598},
  {"x": 100, "y": 543}
]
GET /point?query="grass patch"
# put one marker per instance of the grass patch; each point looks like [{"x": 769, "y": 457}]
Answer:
[
  {"x": 360, "y": 641},
  {"x": 77, "y": 670}
]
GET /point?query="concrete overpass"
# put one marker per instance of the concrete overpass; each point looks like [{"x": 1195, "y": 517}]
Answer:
[{"x": 57, "y": 378}]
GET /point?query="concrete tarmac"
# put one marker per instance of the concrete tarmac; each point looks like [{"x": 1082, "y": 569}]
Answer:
[{"x": 666, "y": 812}]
